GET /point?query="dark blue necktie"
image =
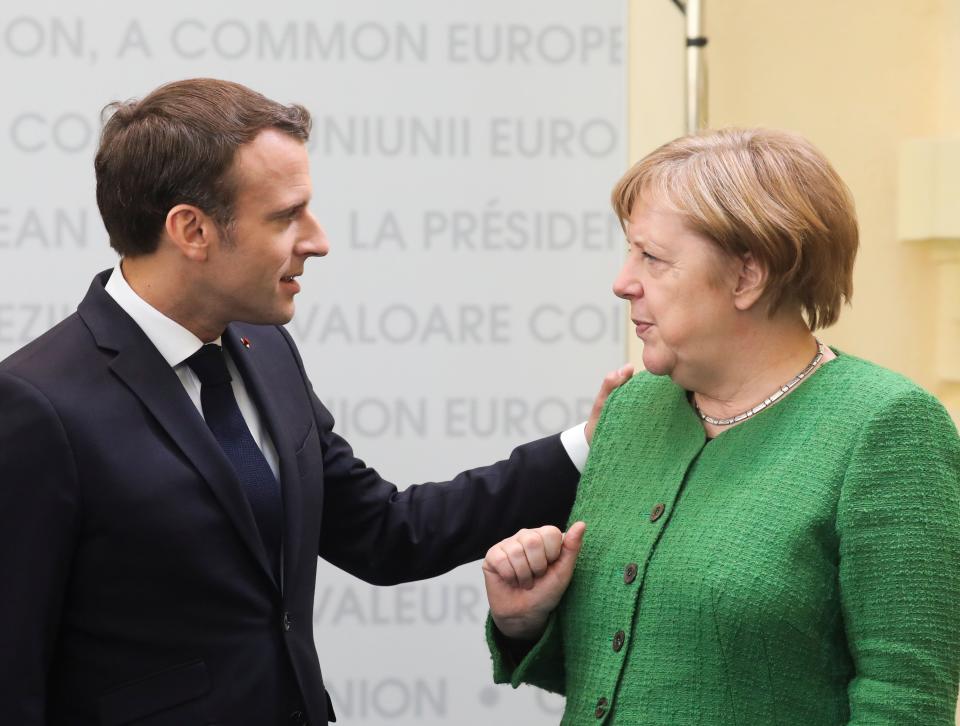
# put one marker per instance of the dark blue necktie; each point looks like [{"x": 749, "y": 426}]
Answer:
[{"x": 222, "y": 414}]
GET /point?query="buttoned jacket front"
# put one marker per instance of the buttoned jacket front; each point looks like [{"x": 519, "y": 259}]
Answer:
[{"x": 801, "y": 569}]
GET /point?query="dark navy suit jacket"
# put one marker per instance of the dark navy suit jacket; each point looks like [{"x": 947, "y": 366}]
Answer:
[{"x": 135, "y": 589}]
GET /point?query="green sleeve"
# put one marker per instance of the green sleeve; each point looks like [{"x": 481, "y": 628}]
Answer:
[
  {"x": 542, "y": 666},
  {"x": 898, "y": 522}
]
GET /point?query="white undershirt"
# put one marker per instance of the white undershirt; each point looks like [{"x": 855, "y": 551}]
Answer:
[{"x": 176, "y": 344}]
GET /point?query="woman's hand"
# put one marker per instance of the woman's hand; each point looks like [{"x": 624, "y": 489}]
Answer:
[{"x": 527, "y": 574}]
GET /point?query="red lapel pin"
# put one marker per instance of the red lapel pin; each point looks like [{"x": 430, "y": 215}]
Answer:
[{"x": 246, "y": 342}]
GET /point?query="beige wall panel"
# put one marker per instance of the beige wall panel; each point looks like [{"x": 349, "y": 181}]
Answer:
[{"x": 858, "y": 78}]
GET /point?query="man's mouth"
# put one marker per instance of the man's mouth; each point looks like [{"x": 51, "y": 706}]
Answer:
[{"x": 290, "y": 283}]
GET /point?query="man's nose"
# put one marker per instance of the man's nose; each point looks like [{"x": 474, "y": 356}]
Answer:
[{"x": 315, "y": 243}]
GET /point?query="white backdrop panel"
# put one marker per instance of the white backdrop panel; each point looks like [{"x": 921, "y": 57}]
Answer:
[{"x": 462, "y": 155}]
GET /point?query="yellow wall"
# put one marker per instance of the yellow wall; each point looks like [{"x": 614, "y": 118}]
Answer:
[{"x": 857, "y": 77}]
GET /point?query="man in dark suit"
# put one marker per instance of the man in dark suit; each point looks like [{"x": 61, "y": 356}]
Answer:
[{"x": 167, "y": 476}]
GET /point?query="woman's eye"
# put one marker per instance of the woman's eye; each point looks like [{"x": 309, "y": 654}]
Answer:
[{"x": 633, "y": 247}]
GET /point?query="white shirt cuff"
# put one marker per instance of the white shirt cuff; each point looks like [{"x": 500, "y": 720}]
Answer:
[{"x": 575, "y": 442}]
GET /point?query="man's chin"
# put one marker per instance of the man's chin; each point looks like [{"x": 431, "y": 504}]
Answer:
[
  {"x": 285, "y": 317},
  {"x": 273, "y": 317}
]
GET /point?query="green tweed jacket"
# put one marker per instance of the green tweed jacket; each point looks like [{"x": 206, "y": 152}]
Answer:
[{"x": 801, "y": 569}]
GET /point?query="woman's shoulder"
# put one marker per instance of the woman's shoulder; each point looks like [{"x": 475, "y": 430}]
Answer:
[
  {"x": 867, "y": 379},
  {"x": 638, "y": 402},
  {"x": 877, "y": 392},
  {"x": 644, "y": 387}
]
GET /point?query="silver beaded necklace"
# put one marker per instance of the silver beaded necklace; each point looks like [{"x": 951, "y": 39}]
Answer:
[{"x": 772, "y": 398}]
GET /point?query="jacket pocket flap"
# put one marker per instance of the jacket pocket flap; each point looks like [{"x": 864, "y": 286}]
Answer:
[{"x": 153, "y": 693}]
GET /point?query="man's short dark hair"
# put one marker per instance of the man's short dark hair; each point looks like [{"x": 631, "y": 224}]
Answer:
[{"x": 177, "y": 146}]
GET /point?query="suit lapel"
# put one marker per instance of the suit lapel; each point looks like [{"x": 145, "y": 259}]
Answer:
[
  {"x": 262, "y": 386},
  {"x": 145, "y": 372}
]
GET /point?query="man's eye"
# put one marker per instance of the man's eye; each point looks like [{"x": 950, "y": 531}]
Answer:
[{"x": 648, "y": 256}]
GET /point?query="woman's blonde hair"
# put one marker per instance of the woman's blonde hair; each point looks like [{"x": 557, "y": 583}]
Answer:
[{"x": 765, "y": 192}]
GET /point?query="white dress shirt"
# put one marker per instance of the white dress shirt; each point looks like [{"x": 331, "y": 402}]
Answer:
[{"x": 176, "y": 344}]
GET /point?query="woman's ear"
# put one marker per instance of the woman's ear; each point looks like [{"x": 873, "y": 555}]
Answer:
[{"x": 751, "y": 282}]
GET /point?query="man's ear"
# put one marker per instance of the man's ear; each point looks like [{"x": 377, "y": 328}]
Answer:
[
  {"x": 751, "y": 282},
  {"x": 191, "y": 231}
]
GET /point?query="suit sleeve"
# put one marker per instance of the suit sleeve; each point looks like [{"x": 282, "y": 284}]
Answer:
[
  {"x": 386, "y": 536},
  {"x": 898, "y": 519},
  {"x": 38, "y": 523}
]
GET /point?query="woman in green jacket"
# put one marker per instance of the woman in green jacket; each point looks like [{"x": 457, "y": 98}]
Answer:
[{"x": 772, "y": 526}]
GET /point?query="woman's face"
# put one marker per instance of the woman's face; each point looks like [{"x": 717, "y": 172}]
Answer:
[{"x": 680, "y": 287}]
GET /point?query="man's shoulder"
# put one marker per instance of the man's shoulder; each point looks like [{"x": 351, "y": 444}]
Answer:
[
  {"x": 48, "y": 371},
  {"x": 63, "y": 347},
  {"x": 51, "y": 353}
]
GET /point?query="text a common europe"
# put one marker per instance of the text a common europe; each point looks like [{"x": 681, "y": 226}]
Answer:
[{"x": 312, "y": 40}]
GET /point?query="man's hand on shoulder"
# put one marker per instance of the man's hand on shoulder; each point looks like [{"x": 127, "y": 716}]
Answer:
[{"x": 613, "y": 380}]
